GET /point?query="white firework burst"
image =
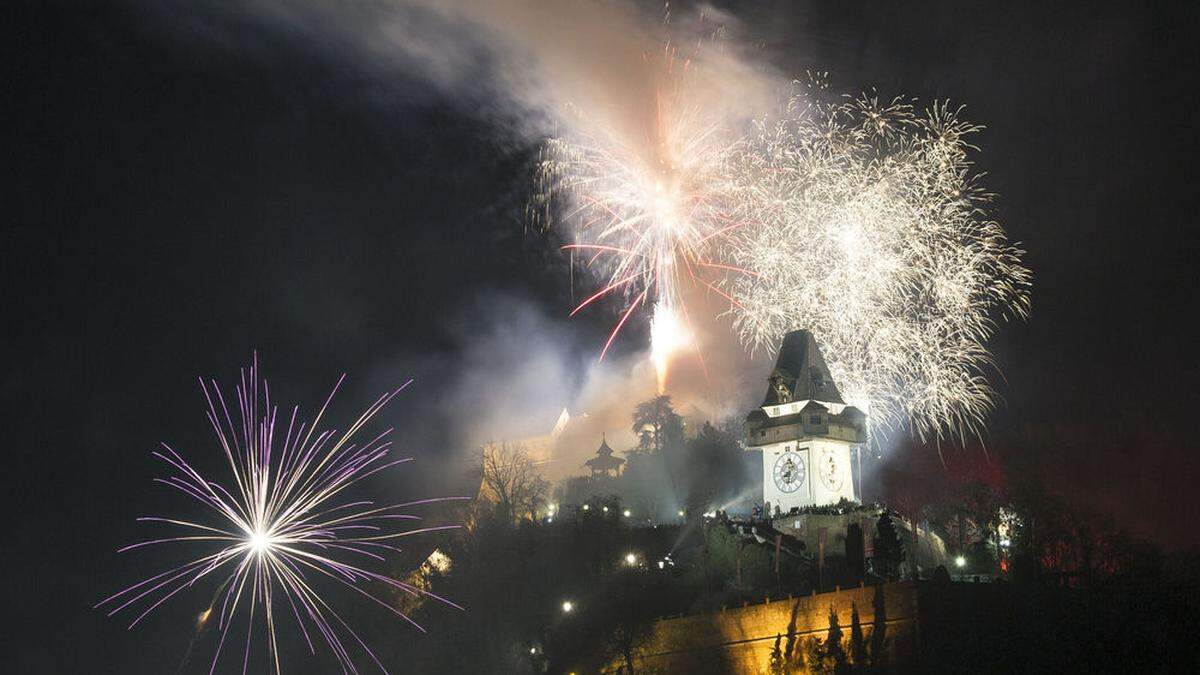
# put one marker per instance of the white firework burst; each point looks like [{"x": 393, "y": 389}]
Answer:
[
  {"x": 646, "y": 213},
  {"x": 865, "y": 223}
]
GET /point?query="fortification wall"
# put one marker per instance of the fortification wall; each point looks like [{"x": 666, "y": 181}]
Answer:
[
  {"x": 926, "y": 550},
  {"x": 740, "y": 640}
]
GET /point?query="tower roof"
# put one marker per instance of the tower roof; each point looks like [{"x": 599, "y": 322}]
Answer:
[
  {"x": 800, "y": 372},
  {"x": 604, "y": 449},
  {"x": 604, "y": 461}
]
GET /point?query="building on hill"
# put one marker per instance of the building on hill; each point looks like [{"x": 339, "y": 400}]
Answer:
[
  {"x": 543, "y": 449},
  {"x": 560, "y": 452},
  {"x": 604, "y": 464},
  {"x": 807, "y": 433}
]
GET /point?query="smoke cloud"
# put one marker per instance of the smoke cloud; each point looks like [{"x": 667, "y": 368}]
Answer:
[
  {"x": 538, "y": 69},
  {"x": 540, "y": 62}
]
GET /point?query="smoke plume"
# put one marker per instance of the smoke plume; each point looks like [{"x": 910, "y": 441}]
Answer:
[{"x": 537, "y": 69}]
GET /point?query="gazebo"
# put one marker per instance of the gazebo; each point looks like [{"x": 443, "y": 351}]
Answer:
[{"x": 604, "y": 464}]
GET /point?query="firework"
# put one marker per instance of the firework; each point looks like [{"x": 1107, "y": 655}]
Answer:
[
  {"x": 645, "y": 211},
  {"x": 281, "y": 524},
  {"x": 866, "y": 224}
]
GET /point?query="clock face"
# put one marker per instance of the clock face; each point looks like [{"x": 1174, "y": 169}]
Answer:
[
  {"x": 789, "y": 472},
  {"x": 830, "y": 470}
]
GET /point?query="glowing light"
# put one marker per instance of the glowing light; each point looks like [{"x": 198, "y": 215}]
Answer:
[
  {"x": 630, "y": 559},
  {"x": 568, "y": 606},
  {"x": 259, "y": 542},
  {"x": 586, "y": 507},
  {"x": 627, "y": 513},
  {"x": 960, "y": 561},
  {"x": 439, "y": 562},
  {"x": 661, "y": 564},
  {"x": 281, "y": 525},
  {"x": 668, "y": 335},
  {"x": 680, "y": 513},
  {"x": 605, "y": 509},
  {"x": 865, "y": 223}
]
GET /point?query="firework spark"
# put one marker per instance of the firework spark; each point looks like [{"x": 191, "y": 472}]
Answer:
[
  {"x": 867, "y": 225},
  {"x": 645, "y": 211},
  {"x": 280, "y": 525}
]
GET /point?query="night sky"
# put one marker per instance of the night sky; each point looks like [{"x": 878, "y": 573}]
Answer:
[{"x": 173, "y": 204}]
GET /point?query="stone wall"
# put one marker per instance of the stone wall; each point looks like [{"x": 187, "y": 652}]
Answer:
[
  {"x": 926, "y": 551},
  {"x": 740, "y": 640}
]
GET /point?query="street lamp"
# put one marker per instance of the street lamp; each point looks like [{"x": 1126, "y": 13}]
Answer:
[
  {"x": 630, "y": 559},
  {"x": 680, "y": 513},
  {"x": 568, "y": 606},
  {"x": 587, "y": 507},
  {"x": 960, "y": 561},
  {"x": 627, "y": 513}
]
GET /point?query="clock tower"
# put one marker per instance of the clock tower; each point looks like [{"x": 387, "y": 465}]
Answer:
[{"x": 805, "y": 430}]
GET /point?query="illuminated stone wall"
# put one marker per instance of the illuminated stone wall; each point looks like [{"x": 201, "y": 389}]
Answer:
[{"x": 740, "y": 640}]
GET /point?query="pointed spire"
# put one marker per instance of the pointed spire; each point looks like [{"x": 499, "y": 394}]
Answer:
[
  {"x": 604, "y": 449},
  {"x": 800, "y": 372}
]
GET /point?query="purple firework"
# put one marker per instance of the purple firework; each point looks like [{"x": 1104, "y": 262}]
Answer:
[{"x": 282, "y": 524}]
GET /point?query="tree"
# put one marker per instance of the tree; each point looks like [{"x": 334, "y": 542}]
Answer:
[
  {"x": 855, "y": 564},
  {"x": 858, "y": 645},
  {"x": 630, "y": 613},
  {"x": 660, "y": 433},
  {"x": 814, "y": 656},
  {"x": 826, "y": 656},
  {"x": 980, "y": 558},
  {"x": 778, "y": 664},
  {"x": 889, "y": 551},
  {"x": 657, "y": 424},
  {"x": 835, "y": 655},
  {"x": 983, "y": 503},
  {"x": 879, "y": 642},
  {"x": 714, "y": 471},
  {"x": 510, "y": 478}
]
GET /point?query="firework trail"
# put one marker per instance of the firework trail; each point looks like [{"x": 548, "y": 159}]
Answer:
[
  {"x": 646, "y": 212},
  {"x": 865, "y": 223},
  {"x": 280, "y": 525}
]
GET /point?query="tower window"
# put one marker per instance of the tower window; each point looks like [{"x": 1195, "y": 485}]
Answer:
[{"x": 814, "y": 419}]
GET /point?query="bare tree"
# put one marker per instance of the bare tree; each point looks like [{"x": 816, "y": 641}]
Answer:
[{"x": 510, "y": 478}]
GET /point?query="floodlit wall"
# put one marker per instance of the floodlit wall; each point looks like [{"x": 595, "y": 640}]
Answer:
[{"x": 740, "y": 640}]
